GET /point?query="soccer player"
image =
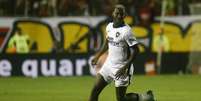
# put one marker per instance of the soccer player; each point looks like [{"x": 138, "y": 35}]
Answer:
[{"x": 122, "y": 49}]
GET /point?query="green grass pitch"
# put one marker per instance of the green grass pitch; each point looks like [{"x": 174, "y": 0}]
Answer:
[{"x": 165, "y": 87}]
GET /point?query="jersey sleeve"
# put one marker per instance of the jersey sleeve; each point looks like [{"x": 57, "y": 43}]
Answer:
[
  {"x": 130, "y": 38},
  {"x": 107, "y": 30},
  {"x": 108, "y": 27}
]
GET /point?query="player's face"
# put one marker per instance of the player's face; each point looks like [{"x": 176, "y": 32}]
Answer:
[
  {"x": 19, "y": 32},
  {"x": 118, "y": 15}
]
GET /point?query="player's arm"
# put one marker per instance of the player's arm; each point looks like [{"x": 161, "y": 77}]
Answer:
[
  {"x": 103, "y": 49},
  {"x": 123, "y": 72},
  {"x": 134, "y": 50}
]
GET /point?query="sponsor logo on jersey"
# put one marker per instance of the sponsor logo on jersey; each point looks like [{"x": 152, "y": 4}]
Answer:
[
  {"x": 110, "y": 38},
  {"x": 112, "y": 42}
]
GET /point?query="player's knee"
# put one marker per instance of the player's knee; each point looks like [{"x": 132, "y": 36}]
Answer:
[{"x": 132, "y": 97}]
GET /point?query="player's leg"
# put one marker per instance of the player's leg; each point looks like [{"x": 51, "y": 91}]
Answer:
[
  {"x": 132, "y": 97},
  {"x": 148, "y": 96},
  {"x": 122, "y": 96},
  {"x": 120, "y": 93},
  {"x": 98, "y": 87},
  {"x": 121, "y": 85}
]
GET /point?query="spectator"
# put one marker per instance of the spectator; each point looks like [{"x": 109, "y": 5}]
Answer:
[
  {"x": 19, "y": 8},
  {"x": 146, "y": 13},
  {"x": 34, "y": 7},
  {"x": 80, "y": 8},
  {"x": 171, "y": 7},
  {"x": 107, "y": 7},
  {"x": 161, "y": 43},
  {"x": 19, "y": 42},
  {"x": 6, "y": 7},
  {"x": 85, "y": 7},
  {"x": 64, "y": 7},
  {"x": 2, "y": 7},
  {"x": 45, "y": 8},
  {"x": 183, "y": 7},
  {"x": 102, "y": 7}
]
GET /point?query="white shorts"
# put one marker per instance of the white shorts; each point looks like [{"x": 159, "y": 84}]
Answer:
[{"x": 108, "y": 72}]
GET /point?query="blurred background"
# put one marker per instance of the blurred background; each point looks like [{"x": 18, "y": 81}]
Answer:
[
  {"x": 57, "y": 8},
  {"x": 59, "y": 37},
  {"x": 46, "y": 47}
]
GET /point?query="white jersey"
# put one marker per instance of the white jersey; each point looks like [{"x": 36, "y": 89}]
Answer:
[{"x": 119, "y": 40}]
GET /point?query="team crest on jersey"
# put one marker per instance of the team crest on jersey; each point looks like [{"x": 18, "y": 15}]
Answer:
[
  {"x": 132, "y": 40},
  {"x": 117, "y": 34}
]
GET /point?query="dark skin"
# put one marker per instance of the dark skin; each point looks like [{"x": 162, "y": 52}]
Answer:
[{"x": 118, "y": 21}]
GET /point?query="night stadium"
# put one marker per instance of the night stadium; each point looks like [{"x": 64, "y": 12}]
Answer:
[{"x": 100, "y": 50}]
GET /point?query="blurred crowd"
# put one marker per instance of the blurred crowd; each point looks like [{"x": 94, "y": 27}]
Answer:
[{"x": 49, "y": 8}]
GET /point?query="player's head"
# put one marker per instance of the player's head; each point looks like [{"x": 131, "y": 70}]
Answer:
[
  {"x": 119, "y": 13},
  {"x": 18, "y": 31}
]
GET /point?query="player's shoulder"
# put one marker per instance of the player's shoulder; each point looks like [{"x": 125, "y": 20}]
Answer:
[
  {"x": 109, "y": 25},
  {"x": 127, "y": 28}
]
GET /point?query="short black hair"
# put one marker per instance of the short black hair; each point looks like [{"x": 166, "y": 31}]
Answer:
[
  {"x": 18, "y": 30},
  {"x": 121, "y": 7}
]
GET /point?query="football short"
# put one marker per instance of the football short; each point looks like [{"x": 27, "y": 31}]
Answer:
[{"x": 108, "y": 72}]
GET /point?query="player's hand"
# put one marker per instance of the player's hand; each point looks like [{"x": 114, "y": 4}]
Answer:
[
  {"x": 94, "y": 61},
  {"x": 121, "y": 73}
]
